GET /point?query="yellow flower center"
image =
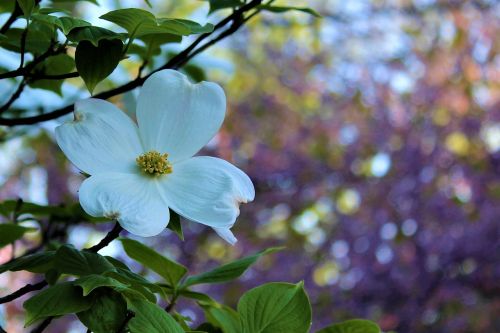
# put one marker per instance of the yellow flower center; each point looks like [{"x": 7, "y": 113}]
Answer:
[{"x": 154, "y": 163}]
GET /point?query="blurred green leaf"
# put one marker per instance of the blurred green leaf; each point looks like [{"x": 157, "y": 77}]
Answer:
[
  {"x": 26, "y": 6},
  {"x": 95, "y": 63},
  {"x": 175, "y": 224},
  {"x": 65, "y": 23},
  {"x": 352, "y": 326},
  {"x": 139, "y": 22},
  {"x": 35, "y": 263},
  {"x": 58, "y": 1},
  {"x": 152, "y": 44},
  {"x": 107, "y": 314},
  {"x": 150, "y": 318},
  {"x": 222, "y": 4},
  {"x": 59, "y": 299},
  {"x": 283, "y": 9},
  {"x": 58, "y": 64},
  {"x": 9, "y": 233},
  {"x": 227, "y": 272},
  {"x": 69, "y": 260},
  {"x": 223, "y": 317},
  {"x": 94, "y": 281},
  {"x": 38, "y": 38},
  {"x": 137, "y": 283},
  {"x": 93, "y": 35},
  {"x": 48, "y": 10},
  {"x": 170, "y": 270},
  {"x": 275, "y": 307}
]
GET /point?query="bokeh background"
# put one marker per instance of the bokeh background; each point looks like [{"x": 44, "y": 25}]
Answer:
[{"x": 372, "y": 136}]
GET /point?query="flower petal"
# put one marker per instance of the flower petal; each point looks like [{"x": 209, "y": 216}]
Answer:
[
  {"x": 132, "y": 199},
  {"x": 178, "y": 117},
  {"x": 101, "y": 138},
  {"x": 226, "y": 234},
  {"x": 207, "y": 190}
]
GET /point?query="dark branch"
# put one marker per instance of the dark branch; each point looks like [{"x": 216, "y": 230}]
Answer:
[
  {"x": 113, "y": 234},
  {"x": 43, "y": 325},
  {"x": 24, "y": 290},
  {"x": 15, "y": 14},
  {"x": 2, "y": 330},
  {"x": 13, "y": 98},
  {"x": 174, "y": 63}
]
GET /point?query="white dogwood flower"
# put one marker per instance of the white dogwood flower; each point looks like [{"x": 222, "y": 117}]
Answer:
[{"x": 139, "y": 171}]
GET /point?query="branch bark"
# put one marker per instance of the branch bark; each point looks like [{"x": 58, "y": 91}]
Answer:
[{"x": 174, "y": 63}]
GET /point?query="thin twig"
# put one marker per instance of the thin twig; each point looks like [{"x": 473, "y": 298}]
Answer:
[
  {"x": 112, "y": 235},
  {"x": 23, "y": 291},
  {"x": 15, "y": 14},
  {"x": 14, "y": 97},
  {"x": 177, "y": 61}
]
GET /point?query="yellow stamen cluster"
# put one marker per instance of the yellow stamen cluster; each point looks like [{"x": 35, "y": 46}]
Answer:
[{"x": 154, "y": 163}]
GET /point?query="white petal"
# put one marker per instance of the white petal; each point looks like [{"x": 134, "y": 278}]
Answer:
[
  {"x": 101, "y": 138},
  {"x": 226, "y": 234},
  {"x": 132, "y": 199},
  {"x": 207, "y": 190},
  {"x": 178, "y": 117}
]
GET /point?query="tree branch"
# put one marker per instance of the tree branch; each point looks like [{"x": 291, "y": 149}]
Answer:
[
  {"x": 174, "y": 63},
  {"x": 43, "y": 325},
  {"x": 15, "y": 14},
  {"x": 13, "y": 98},
  {"x": 113, "y": 234}
]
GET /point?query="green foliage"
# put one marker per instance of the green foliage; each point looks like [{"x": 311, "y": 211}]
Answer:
[
  {"x": 139, "y": 22},
  {"x": 224, "y": 317},
  {"x": 352, "y": 326},
  {"x": 275, "y": 307},
  {"x": 93, "y": 35},
  {"x": 95, "y": 63},
  {"x": 150, "y": 318},
  {"x": 107, "y": 314},
  {"x": 91, "y": 282},
  {"x": 59, "y": 299},
  {"x": 175, "y": 224},
  {"x": 168, "y": 269},
  {"x": 59, "y": 64},
  {"x": 35, "y": 263},
  {"x": 69, "y": 260},
  {"x": 65, "y": 23},
  {"x": 227, "y": 272},
  {"x": 26, "y": 6},
  {"x": 9, "y": 233}
]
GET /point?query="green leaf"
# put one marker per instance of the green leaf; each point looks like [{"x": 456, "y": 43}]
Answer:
[
  {"x": 352, "y": 326},
  {"x": 91, "y": 282},
  {"x": 95, "y": 63},
  {"x": 139, "y": 22},
  {"x": 58, "y": 64},
  {"x": 150, "y": 318},
  {"x": 35, "y": 263},
  {"x": 224, "y": 317},
  {"x": 227, "y": 272},
  {"x": 58, "y": 1},
  {"x": 69, "y": 260},
  {"x": 8, "y": 206},
  {"x": 26, "y": 6},
  {"x": 10, "y": 232},
  {"x": 59, "y": 299},
  {"x": 222, "y": 4},
  {"x": 275, "y": 307},
  {"x": 38, "y": 38},
  {"x": 67, "y": 24},
  {"x": 48, "y": 10},
  {"x": 152, "y": 45},
  {"x": 170, "y": 270},
  {"x": 138, "y": 285},
  {"x": 175, "y": 224},
  {"x": 93, "y": 35},
  {"x": 107, "y": 314},
  {"x": 282, "y": 9}
]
